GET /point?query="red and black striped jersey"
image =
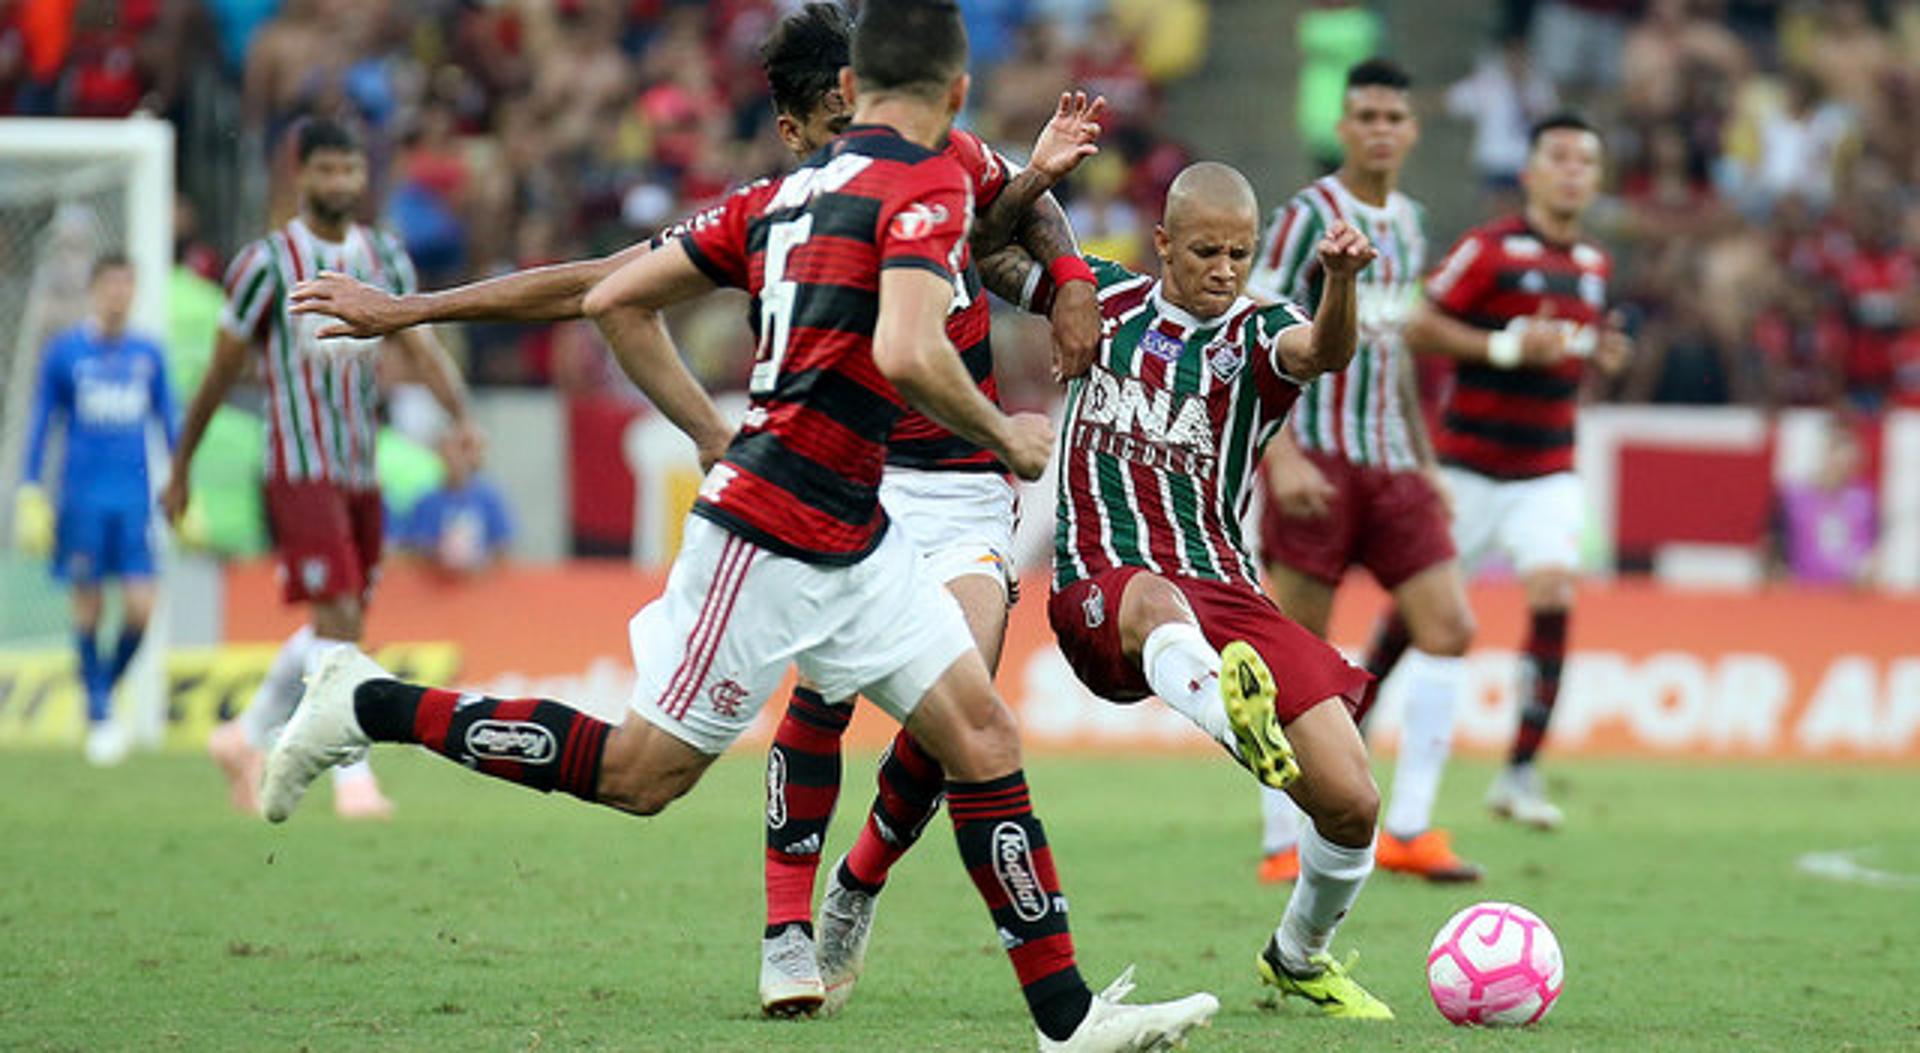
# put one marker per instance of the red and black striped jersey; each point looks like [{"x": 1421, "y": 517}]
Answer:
[
  {"x": 917, "y": 441},
  {"x": 802, "y": 477},
  {"x": 1516, "y": 423}
]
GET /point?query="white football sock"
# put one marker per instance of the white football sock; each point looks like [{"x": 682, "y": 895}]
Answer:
[
  {"x": 1184, "y": 670},
  {"x": 1280, "y": 821},
  {"x": 359, "y": 770},
  {"x": 1426, "y": 740},
  {"x": 1330, "y": 880},
  {"x": 279, "y": 691}
]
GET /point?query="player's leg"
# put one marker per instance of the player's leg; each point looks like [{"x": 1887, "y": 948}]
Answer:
[
  {"x": 1406, "y": 546},
  {"x": 1440, "y": 626},
  {"x": 1541, "y": 532},
  {"x": 706, "y": 653},
  {"x": 1003, "y": 846},
  {"x": 129, "y": 560},
  {"x": 904, "y": 646},
  {"x": 356, "y": 792},
  {"x": 803, "y": 785},
  {"x": 910, "y": 780},
  {"x": 1336, "y": 791},
  {"x": 911, "y": 786},
  {"x": 1160, "y": 634},
  {"x": 1308, "y": 600},
  {"x": 239, "y": 746},
  {"x": 86, "y": 600}
]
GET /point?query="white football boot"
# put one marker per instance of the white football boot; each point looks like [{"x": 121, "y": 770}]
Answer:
[
  {"x": 1112, "y": 1026},
  {"x": 845, "y": 924},
  {"x": 107, "y": 744},
  {"x": 789, "y": 975},
  {"x": 1516, "y": 794},
  {"x": 323, "y": 732}
]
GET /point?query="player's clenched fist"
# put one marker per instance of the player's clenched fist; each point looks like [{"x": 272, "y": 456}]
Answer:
[
  {"x": 1344, "y": 251},
  {"x": 1028, "y": 445}
]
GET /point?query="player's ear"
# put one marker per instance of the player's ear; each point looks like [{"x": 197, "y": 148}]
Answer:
[
  {"x": 957, "y": 93},
  {"x": 1162, "y": 245},
  {"x": 849, "y": 85},
  {"x": 789, "y": 130}
]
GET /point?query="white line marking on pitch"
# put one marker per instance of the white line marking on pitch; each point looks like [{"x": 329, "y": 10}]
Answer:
[{"x": 1846, "y": 866}]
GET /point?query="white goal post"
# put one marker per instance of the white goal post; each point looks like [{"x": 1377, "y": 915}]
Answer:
[{"x": 70, "y": 190}]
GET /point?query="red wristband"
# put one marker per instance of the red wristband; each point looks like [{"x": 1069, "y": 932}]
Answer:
[{"x": 1066, "y": 269}]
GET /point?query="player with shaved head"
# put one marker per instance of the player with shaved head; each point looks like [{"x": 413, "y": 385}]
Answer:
[{"x": 1154, "y": 591}]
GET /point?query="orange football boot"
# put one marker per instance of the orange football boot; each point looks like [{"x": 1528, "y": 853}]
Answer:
[
  {"x": 1281, "y": 867},
  {"x": 1429, "y": 855}
]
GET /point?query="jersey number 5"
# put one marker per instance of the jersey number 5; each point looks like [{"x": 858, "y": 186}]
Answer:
[{"x": 777, "y": 296}]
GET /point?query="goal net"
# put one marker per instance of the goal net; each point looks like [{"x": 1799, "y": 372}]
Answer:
[{"x": 70, "y": 190}]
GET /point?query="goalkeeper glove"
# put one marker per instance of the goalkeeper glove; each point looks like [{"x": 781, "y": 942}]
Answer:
[{"x": 33, "y": 522}]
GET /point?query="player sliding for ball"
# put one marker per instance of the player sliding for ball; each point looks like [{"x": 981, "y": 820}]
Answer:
[
  {"x": 1154, "y": 590},
  {"x": 852, "y": 261},
  {"x": 950, "y": 497}
]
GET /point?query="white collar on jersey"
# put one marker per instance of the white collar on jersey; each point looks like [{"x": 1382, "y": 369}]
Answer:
[
  {"x": 1350, "y": 201},
  {"x": 1180, "y": 316},
  {"x": 311, "y": 235}
]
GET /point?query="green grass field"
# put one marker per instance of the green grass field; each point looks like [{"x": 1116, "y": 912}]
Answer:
[{"x": 136, "y": 912}]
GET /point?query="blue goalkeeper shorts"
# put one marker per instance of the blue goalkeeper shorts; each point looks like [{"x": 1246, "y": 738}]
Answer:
[{"x": 95, "y": 543}]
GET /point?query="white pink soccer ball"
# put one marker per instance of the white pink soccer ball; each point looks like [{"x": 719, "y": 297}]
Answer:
[{"x": 1495, "y": 965}]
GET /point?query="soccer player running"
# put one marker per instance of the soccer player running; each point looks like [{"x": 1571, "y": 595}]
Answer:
[
  {"x": 1519, "y": 303},
  {"x": 104, "y": 387},
  {"x": 1154, "y": 590},
  {"x": 323, "y": 500},
  {"x": 1350, "y": 480},
  {"x": 853, "y": 261},
  {"x": 949, "y": 496}
]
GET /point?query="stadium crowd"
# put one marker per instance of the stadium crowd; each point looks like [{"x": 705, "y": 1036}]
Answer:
[{"x": 1765, "y": 186}]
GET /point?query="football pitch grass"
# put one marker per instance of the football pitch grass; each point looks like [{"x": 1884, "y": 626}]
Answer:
[{"x": 137, "y": 912}]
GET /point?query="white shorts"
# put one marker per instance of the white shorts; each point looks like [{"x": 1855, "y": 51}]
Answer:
[
  {"x": 717, "y": 642},
  {"x": 1535, "y": 522},
  {"x": 961, "y": 523}
]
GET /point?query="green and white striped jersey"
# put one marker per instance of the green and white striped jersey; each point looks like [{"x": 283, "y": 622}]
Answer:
[
  {"x": 1160, "y": 440},
  {"x": 320, "y": 403},
  {"x": 1356, "y": 413}
]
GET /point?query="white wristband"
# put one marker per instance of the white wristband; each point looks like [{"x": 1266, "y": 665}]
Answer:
[
  {"x": 1503, "y": 348},
  {"x": 1034, "y": 274}
]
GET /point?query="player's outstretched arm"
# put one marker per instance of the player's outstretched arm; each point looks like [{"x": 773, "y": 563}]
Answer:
[
  {"x": 1527, "y": 341},
  {"x": 1328, "y": 344},
  {"x": 1072, "y": 135},
  {"x": 229, "y": 361},
  {"x": 625, "y": 306},
  {"x": 911, "y": 349},
  {"x": 539, "y": 294},
  {"x": 645, "y": 351}
]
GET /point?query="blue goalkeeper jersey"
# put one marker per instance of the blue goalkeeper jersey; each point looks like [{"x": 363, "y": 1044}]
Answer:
[{"x": 105, "y": 391}]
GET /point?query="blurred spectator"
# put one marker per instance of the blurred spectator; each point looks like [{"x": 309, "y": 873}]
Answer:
[
  {"x": 1878, "y": 282},
  {"x": 1503, "y": 97},
  {"x": 1798, "y": 137},
  {"x": 509, "y": 133},
  {"x": 461, "y": 528},
  {"x": 1579, "y": 42},
  {"x": 1828, "y": 526},
  {"x": 1331, "y": 35}
]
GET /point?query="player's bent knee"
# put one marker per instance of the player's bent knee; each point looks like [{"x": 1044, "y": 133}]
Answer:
[
  {"x": 1448, "y": 636},
  {"x": 1149, "y": 602},
  {"x": 643, "y": 770},
  {"x": 1349, "y": 819}
]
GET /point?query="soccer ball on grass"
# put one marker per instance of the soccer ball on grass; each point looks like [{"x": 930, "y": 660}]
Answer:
[{"x": 1495, "y": 965}]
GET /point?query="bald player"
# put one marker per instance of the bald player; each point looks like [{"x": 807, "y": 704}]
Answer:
[{"x": 1154, "y": 591}]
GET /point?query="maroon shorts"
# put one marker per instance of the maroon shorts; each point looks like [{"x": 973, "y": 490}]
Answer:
[
  {"x": 1392, "y": 523},
  {"x": 327, "y": 537},
  {"x": 1307, "y": 671}
]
